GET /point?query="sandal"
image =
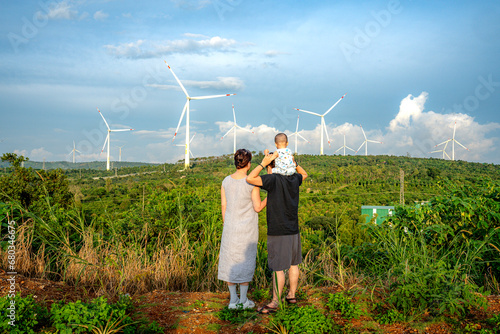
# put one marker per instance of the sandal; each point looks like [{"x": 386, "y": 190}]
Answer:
[
  {"x": 292, "y": 300},
  {"x": 267, "y": 309}
]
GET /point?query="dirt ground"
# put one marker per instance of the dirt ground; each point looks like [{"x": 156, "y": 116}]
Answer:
[{"x": 197, "y": 312}]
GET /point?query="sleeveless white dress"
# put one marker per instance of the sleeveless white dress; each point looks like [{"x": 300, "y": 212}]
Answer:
[{"x": 238, "y": 249}]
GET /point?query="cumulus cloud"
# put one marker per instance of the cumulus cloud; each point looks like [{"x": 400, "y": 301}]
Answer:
[
  {"x": 38, "y": 154},
  {"x": 142, "y": 49},
  {"x": 100, "y": 15},
  {"x": 418, "y": 132}
]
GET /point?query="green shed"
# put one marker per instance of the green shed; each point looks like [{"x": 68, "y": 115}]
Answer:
[{"x": 381, "y": 211}]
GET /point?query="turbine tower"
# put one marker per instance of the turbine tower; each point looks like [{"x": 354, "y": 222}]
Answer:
[
  {"x": 185, "y": 110},
  {"x": 235, "y": 126},
  {"x": 323, "y": 125},
  {"x": 366, "y": 142},
  {"x": 453, "y": 141},
  {"x": 73, "y": 151},
  {"x": 120, "y": 156},
  {"x": 297, "y": 134},
  {"x": 344, "y": 147},
  {"x": 108, "y": 137}
]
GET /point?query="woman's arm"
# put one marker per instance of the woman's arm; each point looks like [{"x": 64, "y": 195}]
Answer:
[
  {"x": 258, "y": 205},
  {"x": 223, "y": 202}
]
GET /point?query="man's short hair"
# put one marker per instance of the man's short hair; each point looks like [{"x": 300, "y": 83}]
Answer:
[{"x": 281, "y": 138}]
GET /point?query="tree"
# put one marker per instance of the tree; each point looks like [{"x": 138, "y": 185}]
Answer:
[{"x": 14, "y": 159}]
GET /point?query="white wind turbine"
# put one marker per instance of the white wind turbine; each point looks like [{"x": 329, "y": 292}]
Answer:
[
  {"x": 73, "y": 151},
  {"x": 453, "y": 141},
  {"x": 443, "y": 150},
  {"x": 235, "y": 127},
  {"x": 366, "y": 142},
  {"x": 108, "y": 137},
  {"x": 323, "y": 125},
  {"x": 185, "y": 110},
  {"x": 120, "y": 155},
  {"x": 297, "y": 134},
  {"x": 344, "y": 147},
  {"x": 184, "y": 145}
]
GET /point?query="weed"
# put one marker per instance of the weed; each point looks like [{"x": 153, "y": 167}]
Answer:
[
  {"x": 304, "y": 319},
  {"x": 343, "y": 303},
  {"x": 236, "y": 316}
]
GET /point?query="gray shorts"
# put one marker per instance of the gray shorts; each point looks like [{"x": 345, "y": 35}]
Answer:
[{"x": 283, "y": 251}]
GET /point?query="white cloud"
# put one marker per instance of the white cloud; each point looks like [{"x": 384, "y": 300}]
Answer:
[
  {"x": 100, "y": 15},
  {"x": 38, "y": 154},
  {"x": 142, "y": 49},
  {"x": 61, "y": 10},
  {"x": 222, "y": 83},
  {"x": 410, "y": 107},
  {"x": 274, "y": 53}
]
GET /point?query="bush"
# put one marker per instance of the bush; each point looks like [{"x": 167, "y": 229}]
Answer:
[
  {"x": 27, "y": 315},
  {"x": 76, "y": 317},
  {"x": 341, "y": 302},
  {"x": 304, "y": 319}
]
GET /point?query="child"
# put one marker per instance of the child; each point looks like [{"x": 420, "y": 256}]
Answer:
[{"x": 284, "y": 163}]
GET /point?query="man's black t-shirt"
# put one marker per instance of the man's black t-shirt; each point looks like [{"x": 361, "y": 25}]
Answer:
[{"x": 282, "y": 203}]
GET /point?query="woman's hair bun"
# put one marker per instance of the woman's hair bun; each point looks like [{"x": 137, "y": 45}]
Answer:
[{"x": 242, "y": 157}]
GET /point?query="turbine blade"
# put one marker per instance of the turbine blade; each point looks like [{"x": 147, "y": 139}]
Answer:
[
  {"x": 360, "y": 146},
  {"x": 327, "y": 138},
  {"x": 363, "y": 132},
  {"x": 100, "y": 113},
  {"x": 192, "y": 138},
  {"x": 180, "y": 120},
  {"x": 209, "y": 96},
  {"x": 298, "y": 134},
  {"x": 444, "y": 152},
  {"x": 121, "y": 130},
  {"x": 456, "y": 141},
  {"x": 227, "y": 132},
  {"x": 350, "y": 148},
  {"x": 297, "y": 128},
  {"x": 334, "y": 105},
  {"x": 244, "y": 129},
  {"x": 309, "y": 112},
  {"x": 103, "y": 146},
  {"x": 78, "y": 151},
  {"x": 234, "y": 115},
  {"x": 178, "y": 81},
  {"x": 374, "y": 141},
  {"x": 445, "y": 142}
]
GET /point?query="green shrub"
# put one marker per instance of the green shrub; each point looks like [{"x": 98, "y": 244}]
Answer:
[
  {"x": 25, "y": 317},
  {"x": 237, "y": 315},
  {"x": 72, "y": 317},
  {"x": 304, "y": 319},
  {"x": 435, "y": 288},
  {"x": 344, "y": 304}
]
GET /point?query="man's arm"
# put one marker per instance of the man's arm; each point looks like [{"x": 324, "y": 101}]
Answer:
[
  {"x": 302, "y": 172},
  {"x": 253, "y": 177}
]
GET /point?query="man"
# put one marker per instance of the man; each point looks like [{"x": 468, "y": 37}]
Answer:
[{"x": 283, "y": 238}]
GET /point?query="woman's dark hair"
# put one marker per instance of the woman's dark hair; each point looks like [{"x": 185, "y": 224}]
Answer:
[{"x": 242, "y": 157}]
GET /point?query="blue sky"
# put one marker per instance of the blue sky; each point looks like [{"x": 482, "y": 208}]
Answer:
[{"x": 411, "y": 69}]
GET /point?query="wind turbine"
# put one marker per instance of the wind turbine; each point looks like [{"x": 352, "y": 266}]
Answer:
[
  {"x": 73, "y": 151},
  {"x": 297, "y": 134},
  {"x": 344, "y": 147},
  {"x": 453, "y": 141},
  {"x": 189, "y": 143},
  {"x": 185, "y": 110},
  {"x": 366, "y": 142},
  {"x": 323, "y": 125},
  {"x": 444, "y": 148},
  {"x": 108, "y": 138},
  {"x": 234, "y": 127},
  {"x": 120, "y": 156}
]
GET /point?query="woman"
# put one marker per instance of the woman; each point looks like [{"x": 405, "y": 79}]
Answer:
[{"x": 240, "y": 203}]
